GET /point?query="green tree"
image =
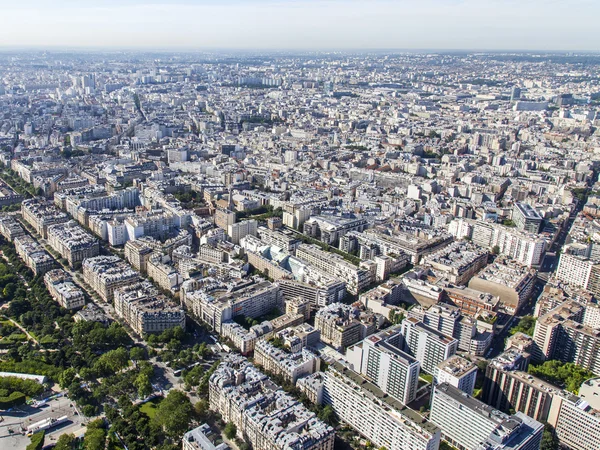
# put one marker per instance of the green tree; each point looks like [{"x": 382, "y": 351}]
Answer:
[
  {"x": 66, "y": 442},
  {"x": 568, "y": 375},
  {"x": 138, "y": 354},
  {"x": 95, "y": 436},
  {"x": 526, "y": 325},
  {"x": 37, "y": 441},
  {"x": 549, "y": 439},
  {"x": 67, "y": 377},
  {"x": 230, "y": 430},
  {"x": 328, "y": 415},
  {"x": 9, "y": 291},
  {"x": 143, "y": 385},
  {"x": 496, "y": 250},
  {"x": 174, "y": 414}
]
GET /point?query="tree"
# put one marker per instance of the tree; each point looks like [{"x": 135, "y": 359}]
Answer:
[
  {"x": 95, "y": 435},
  {"x": 526, "y": 325},
  {"x": 142, "y": 384},
  {"x": 37, "y": 441},
  {"x": 549, "y": 439},
  {"x": 67, "y": 377},
  {"x": 138, "y": 354},
  {"x": 230, "y": 430},
  {"x": 174, "y": 414},
  {"x": 328, "y": 416},
  {"x": 65, "y": 442},
  {"x": 496, "y": 250},
  {"x": 9, "y": 291}
]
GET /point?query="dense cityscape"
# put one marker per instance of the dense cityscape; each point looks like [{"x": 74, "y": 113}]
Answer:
[{"x": 299, "y": 250}]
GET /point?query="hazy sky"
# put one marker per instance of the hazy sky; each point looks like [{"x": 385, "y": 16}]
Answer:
[{"x": 303, "y": 24}]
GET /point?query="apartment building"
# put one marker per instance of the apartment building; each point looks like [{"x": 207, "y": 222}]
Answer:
[
  {"x": 291, "y": 366},
  {"x": 507, "y": 386},
  {"x": 526, "y": 218},
  {"x": 200, "y": 439},
  {"x": 458, "y": 372},
  {"x": 145, "y": 310},
  {"x": 218, "y": 307},
  {"x": 526, "y": 248},
  {"x": 378, "y": 417},
  {"x": 33, "y": 255},
  {"x": 509, "y": 280},
  {"x": 62, "y": 289},
  {"x": 568, "y": 334},
  {"x": 10, "y": 228},
  {"x": 343, "y": 325},
  {"x": 264, "y": 415},
  {"x": 104, "y": 274},
  {"x": 469, "y": 424},
  {"x": 237, "y": 231},
  {"x": 329, "y": 229},
  {"x": 576, "y": 422},
  {"x": 137, "y": 253},
  {"x": 72, "y": 242},
  {"x": 163, "y": 273},
  {"x": 426, "y": 345},
  {"x": 380, "y": 359},
  {"x": 356, "y": 279},
  {"x": 40, "y": 215},
  {"x": 458, "y": 262}
]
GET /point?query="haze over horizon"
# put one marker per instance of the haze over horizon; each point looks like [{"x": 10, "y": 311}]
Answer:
[{"x": 304, "y": 24}]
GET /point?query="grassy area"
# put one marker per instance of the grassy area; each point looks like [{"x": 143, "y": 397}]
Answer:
[
  {"x": 149, "y": 408},
  {"x": 426, "y": 377}
]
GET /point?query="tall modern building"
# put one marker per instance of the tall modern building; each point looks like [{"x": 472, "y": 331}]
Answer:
[
  {"x": 469, "y": 424},
  {"x": 379, "y": 417},
  {"x": 458, "y": 372},
  {"x": 508, "y": 386},
  {"x": 380, "y": 359},
  {"x": 527, "y": 218},
  {"x": 428, "y": 346}
]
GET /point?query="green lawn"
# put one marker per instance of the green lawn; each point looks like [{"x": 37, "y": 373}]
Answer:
[
  {"x": 149, "y": 408},
  {"x": 426, "y": 377}
]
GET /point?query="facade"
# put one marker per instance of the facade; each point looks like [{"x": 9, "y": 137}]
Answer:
[
  {"x": 380, "y": 359},
  {"x": 428, "y": 346},
  {"x": 291, "y": 366},
  {"x": 469, "y": 424},
  {"x": 72, "y": 242},
  {"x": 526, "y": 218},
  {"x": 104, "y": 274},
  {"x": 145, "y": 311},
  {"x": 265, "y": 416},
  {"x": 508, "y": 280},
  {"x": 356, "y": 279},
  {"x": 380, "y": 418},
  {"x": 507, "y": 386},
  {"x": 33, "y": 255},
  {"x": 457, "y": 372},
  {"x": 63, "y": 290}
]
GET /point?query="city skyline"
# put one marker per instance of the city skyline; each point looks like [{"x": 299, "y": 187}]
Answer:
[{"x": 303, "y": 24}]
